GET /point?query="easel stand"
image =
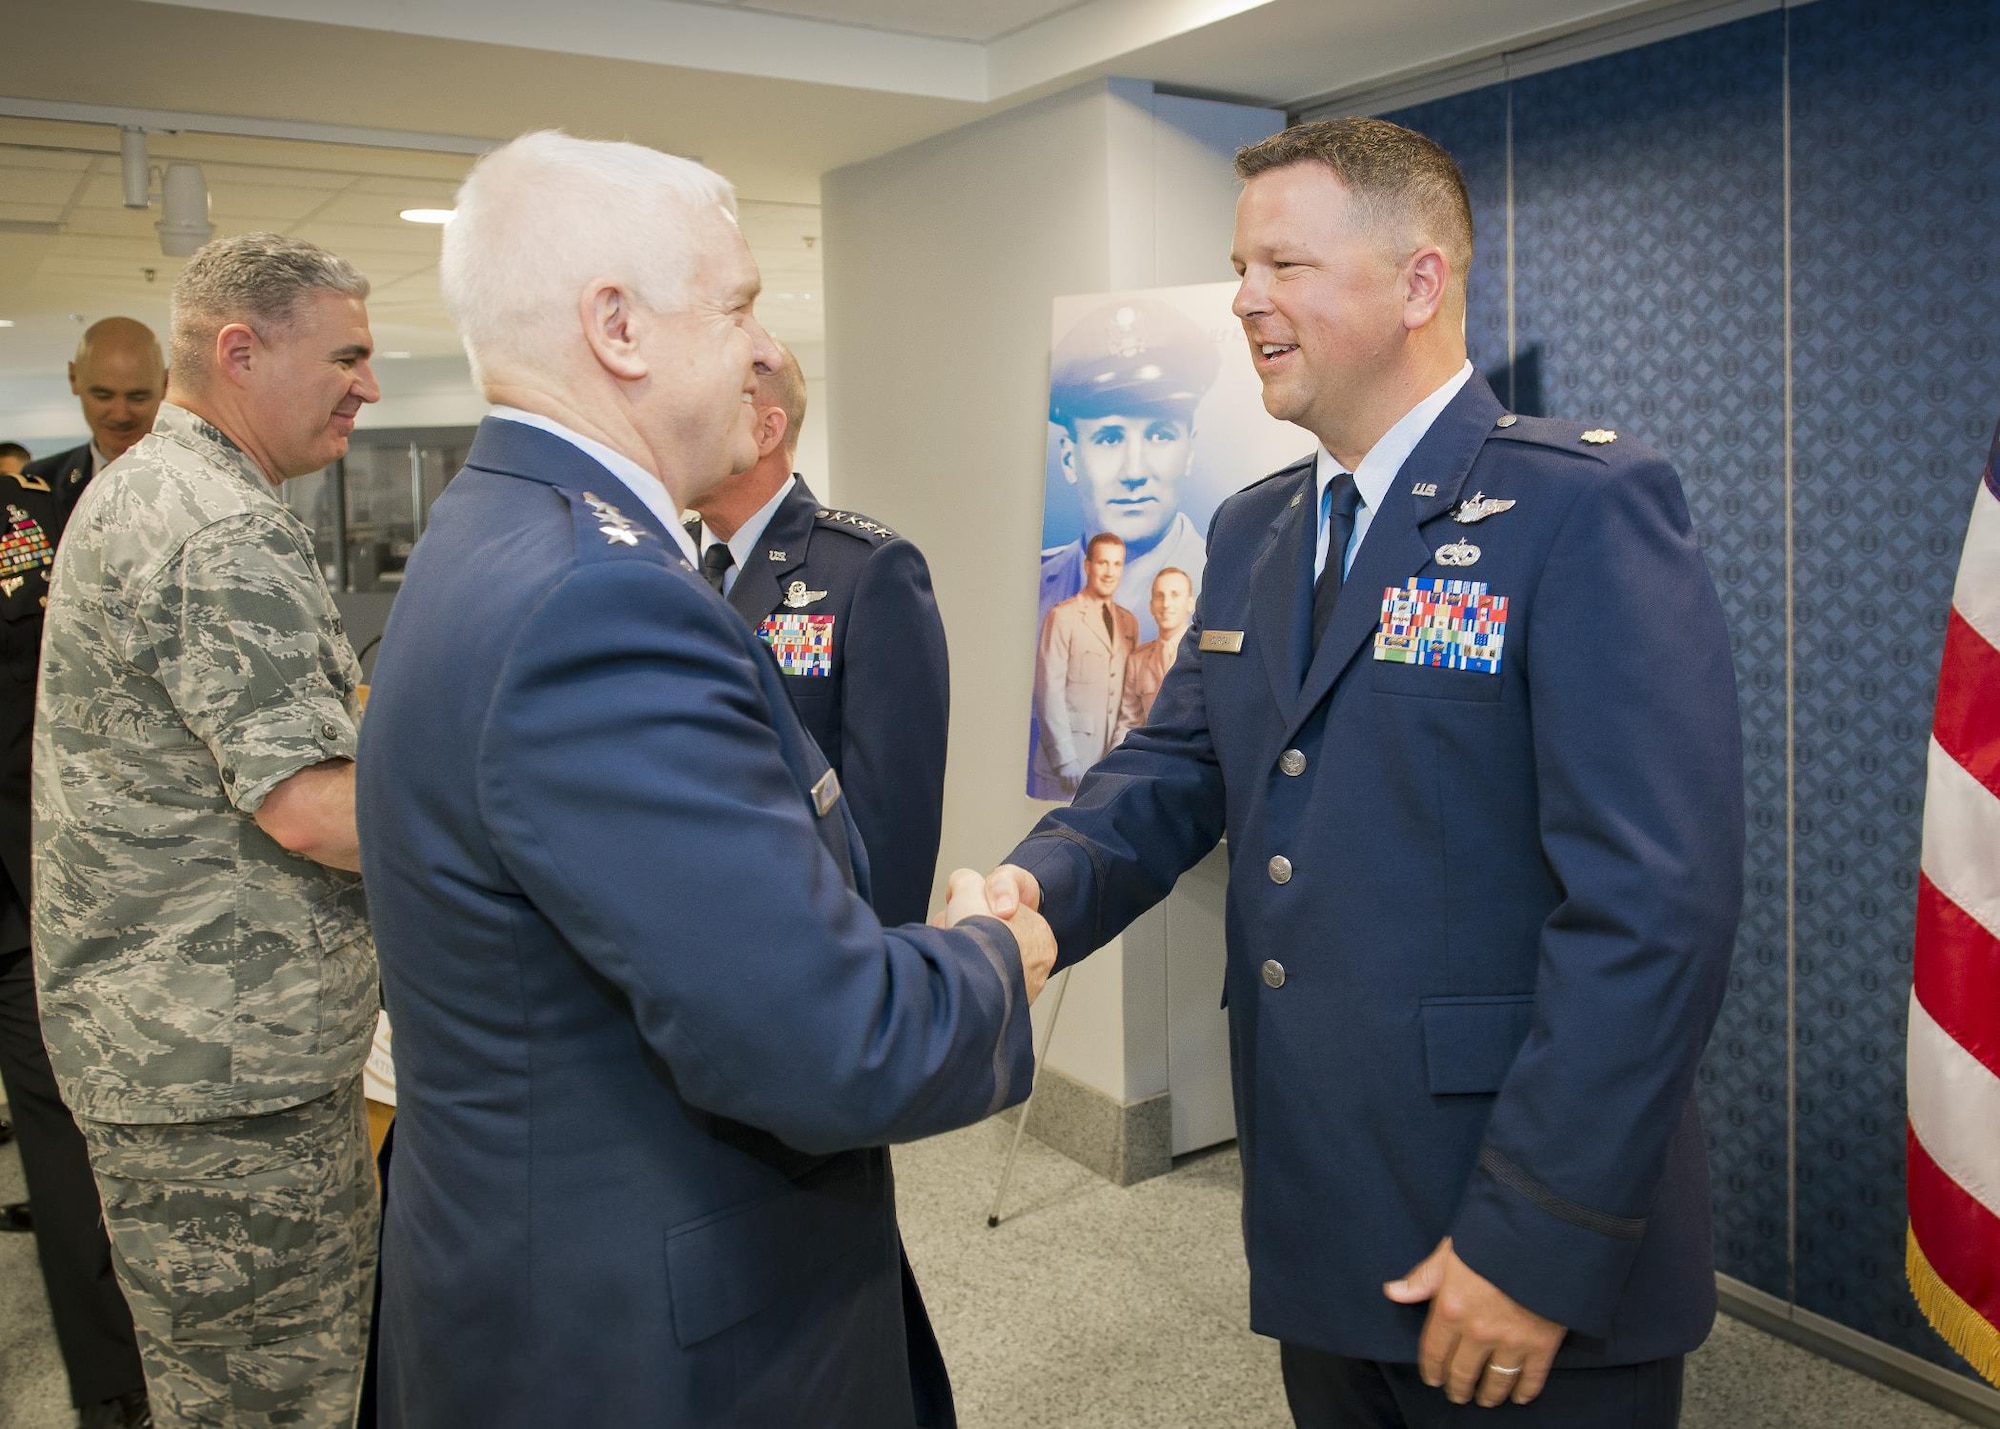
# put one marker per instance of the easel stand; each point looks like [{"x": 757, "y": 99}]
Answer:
[{"x": 1021, "y": 1125}]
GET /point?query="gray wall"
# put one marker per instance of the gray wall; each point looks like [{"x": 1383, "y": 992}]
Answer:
[{"x": 941, "y": 263}]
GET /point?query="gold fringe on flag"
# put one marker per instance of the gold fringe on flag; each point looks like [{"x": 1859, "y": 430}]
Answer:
[{"x": 1961, "y": 1326}]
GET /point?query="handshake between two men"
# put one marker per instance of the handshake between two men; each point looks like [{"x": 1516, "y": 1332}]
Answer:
[{"x": 1477, "y": 1342}]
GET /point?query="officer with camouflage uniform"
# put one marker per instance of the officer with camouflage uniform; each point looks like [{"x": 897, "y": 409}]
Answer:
[{"x": 202, "y": 948}]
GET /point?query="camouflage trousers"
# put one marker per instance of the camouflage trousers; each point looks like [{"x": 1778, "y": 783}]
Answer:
[{"x": 246, "y": 1248}]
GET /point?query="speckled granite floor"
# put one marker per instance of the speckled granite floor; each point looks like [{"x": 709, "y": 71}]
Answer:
[
  {"x": 1091, "y": 1307},
  {"x": 1095, "y": 1307}
]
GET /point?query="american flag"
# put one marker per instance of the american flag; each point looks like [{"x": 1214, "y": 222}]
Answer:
[{"x": 1953, "y": 1254}]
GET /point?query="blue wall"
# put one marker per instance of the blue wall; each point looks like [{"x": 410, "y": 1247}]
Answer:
[{"x": 1649, "y": 258}]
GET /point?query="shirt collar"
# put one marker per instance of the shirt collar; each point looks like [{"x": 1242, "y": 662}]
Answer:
[
  {"x": 642, "y": 483},
  {"x": 201, "y": 436},
  {"x": 1377, "y": 472},
  {"x": 98, "y": 460},
  {"x": 752, "y": 531}
]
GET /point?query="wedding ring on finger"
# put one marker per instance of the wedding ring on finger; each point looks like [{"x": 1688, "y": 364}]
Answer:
[{"x": 1492, "y": 1368}]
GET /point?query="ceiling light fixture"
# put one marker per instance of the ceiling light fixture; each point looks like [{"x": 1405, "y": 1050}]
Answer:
[
  {"x": 6, "y": 322},
  {"x": 132, "y": 166},
  {"x": 392, "y": 356},
  {"x": 183, "y": 224},
  {"x": 426, "y": 215}
]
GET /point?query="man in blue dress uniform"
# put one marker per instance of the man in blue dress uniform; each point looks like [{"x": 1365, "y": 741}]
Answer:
[
  {"x": 1459, "y": 692},
  {"x": 845, "y": 606},
  {"x": 643, "y": 1017}
]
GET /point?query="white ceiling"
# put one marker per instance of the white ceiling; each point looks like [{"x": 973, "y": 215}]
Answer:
[
  {"x": 772, "y": 93},
  {"x": 106, "y": 258},
  {"x": 976, "y": 20}
]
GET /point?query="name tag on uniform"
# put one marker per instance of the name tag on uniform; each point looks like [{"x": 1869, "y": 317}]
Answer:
[
  {"x": 1226, "y": 642},
  {"x": 1449, "y": 625},
  {"x": 826, "y": 793}
]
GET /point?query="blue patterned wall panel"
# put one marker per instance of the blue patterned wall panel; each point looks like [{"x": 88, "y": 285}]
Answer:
[
  {"x": 1473, "y": 129},
  {"x": 1649, "y": 244},
  {"x": 1896, "y": 173}
]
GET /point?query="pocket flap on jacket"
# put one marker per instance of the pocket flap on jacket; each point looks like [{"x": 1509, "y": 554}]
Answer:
[
  {"x": 727, "y": 1267},
  {"x": 1471, "y": 1042}
]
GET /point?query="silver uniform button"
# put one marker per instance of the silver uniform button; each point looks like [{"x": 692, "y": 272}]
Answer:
[
  {"x": 1507, "y": 421},
  {"x": 1281, "y": 869},
  {"x": 1293, "y": 762},
  {"x": 1274, "y": 973}
]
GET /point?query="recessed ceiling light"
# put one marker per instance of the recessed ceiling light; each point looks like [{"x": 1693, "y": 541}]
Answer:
[
  {"x": 391, "y": 356},
  {"x": 426, "y": 215},
  {"x": 6, "y": 322}
]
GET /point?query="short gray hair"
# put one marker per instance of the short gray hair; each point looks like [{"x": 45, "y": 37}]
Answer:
[
  {"x": 254, "y": 278},
  {"x": 540, "y": 217},
  {"x": 784, "y": 387}
]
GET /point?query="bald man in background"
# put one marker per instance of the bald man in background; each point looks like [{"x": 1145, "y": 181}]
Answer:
[{"x": 119, "y": 376}]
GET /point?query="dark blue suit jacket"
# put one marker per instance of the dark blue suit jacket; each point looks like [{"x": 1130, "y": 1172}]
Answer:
[
  {"x": 881, "y": 708},
  {"x": 1511, "y": 897},
  {"x": 641, "y": 1012}
]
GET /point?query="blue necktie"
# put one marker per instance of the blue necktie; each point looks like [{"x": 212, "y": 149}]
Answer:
[{"x": 1336, "y": 511}]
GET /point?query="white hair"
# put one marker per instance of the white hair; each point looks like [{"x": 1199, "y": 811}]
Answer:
[{"x": 540, "y": 217}]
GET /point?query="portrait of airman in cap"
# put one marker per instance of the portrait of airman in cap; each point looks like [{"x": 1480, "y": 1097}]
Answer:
[{"x": 1124, "y": 383}]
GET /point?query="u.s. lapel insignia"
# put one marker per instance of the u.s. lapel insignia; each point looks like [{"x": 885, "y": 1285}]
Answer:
[
  {"x": 1297, "y": 497},
  {"x": 1458, "y": 553},
  {"x": 1599, "y": 436},
  {"x": 615, "y": 524},
  {"x": 826, "y": 793},
  {"x": 797, "y": 597},
  {"x": 779, "y": 556},
  {"x": 1478, "y": 507},
  {"x": 1424, "y": 489}
]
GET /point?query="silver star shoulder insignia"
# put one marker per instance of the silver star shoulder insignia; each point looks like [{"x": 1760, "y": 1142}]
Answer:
[
  {"x": 1458, "y": 553},
  {"x": 859, "y": 523},
  {"x": 1478, "y": 507},
  {"x": 797, "y": 597},
  {"x": 616, "y": 526},
  {"x": 1424, "y": 489},
  {"x": 1599, "y": 436}
]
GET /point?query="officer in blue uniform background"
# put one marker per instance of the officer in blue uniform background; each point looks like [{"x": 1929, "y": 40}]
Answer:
[
  {"x": 845, "y": 606},
  {"x": 1459, "y": 691},
  {"x": 119, "y": 377},
  {"x": 643, "y": 1016}
]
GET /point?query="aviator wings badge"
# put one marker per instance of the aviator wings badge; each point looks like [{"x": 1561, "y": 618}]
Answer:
[
  {"x": 1478, "y": 507},
  {"x": 797, "y": 597}
]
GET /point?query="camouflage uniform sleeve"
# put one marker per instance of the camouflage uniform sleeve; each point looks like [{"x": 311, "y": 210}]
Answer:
[{"x": 238, "y": 628}]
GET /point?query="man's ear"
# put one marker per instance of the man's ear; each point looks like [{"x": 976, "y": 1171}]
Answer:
[
  {"x": 771, "y": 426},
  {"x": 237, "y": 351},
  {"x": 1427, "y": 277},
  {"x": 74, "y": 390},
  {"x": 612, "y": 326},
  {"x": 166, "y": 379},
  {"x": 1067, "y": 444}
]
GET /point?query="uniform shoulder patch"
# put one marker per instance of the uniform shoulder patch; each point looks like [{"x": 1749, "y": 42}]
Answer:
[
  {"x": 1555, "y": 432},
  {"x": 854, "y": 524},
  {"x": 604, "y": 529}
]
